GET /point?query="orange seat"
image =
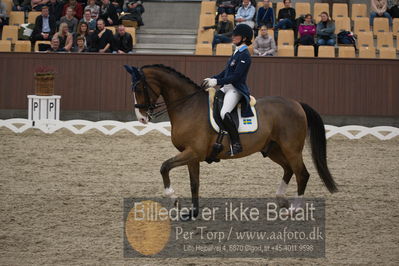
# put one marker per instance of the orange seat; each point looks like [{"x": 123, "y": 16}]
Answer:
[
  {"x": 367, "y": 52},
  {"x": 5, "y": 46},
  {"x": 361, "y": 25},
  {"x": 285, "y": 37},
  {"x": 387, "y": 53},
  {"x": 10, "y": 33},
  {"x": 342, "y": 24},
  {"x": 40, "y": 42},
  {"x": 359, "y": 10},
  {"x": 384, "y": 39},
  {"x": 326, "y": 51},
  {"x": 302, "y": 9},
  {"x": 17, "y": 18},
  {"x": 32, "y": 16},
  {"x": 346, "y": 51},
  {"x": 286, "y": 50},
  {"x": 203, "y": 49},
  {"x": 339, "y": 10},
  {"x": 224, "y": 49},
  {"x": 23, "y": 46},
  {"x": 306, "y": 51},
  {"x": 132, "y": 31},
  {"x": 205, "y": 36},
  {"x": 395, "y": 27},
  {"x": 206, "y": 20},
  {"x": 365, "y": 39},
  {"x": 208, "y": 7},
  {"x": 380, "y": 25},
  {"x": 318, "y": 8}
]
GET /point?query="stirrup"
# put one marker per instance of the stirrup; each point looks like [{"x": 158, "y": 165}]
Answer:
[{"x": 235, "y": 148}]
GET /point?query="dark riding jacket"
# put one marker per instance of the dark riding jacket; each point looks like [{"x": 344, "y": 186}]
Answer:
[{"x": 236, "y": 74}]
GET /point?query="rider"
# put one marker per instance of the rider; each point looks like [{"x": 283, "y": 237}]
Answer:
[{"x": 233, "y": 80}]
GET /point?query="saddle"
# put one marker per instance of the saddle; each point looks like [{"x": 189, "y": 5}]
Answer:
[{"x": 243, "y": 124}]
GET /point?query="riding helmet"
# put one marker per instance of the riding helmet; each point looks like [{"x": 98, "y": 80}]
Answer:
[{"x": 244, "y": 31}]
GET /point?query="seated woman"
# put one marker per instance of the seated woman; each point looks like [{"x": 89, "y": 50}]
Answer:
[
  {"x": 223, "y": 31},
  {"x": 307, "y": 31},
  {"x": 325, "y": 31},
  {"x": 379, "y": 9},
  {"x": 82, "y": 31},
  {"x": 64, "y": 37},
  {"x": 264, "y": 44}
]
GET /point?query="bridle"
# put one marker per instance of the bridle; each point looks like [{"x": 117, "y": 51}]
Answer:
[{"x": 151, "y": 106}]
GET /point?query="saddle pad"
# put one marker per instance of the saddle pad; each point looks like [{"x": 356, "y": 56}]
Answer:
[{"x": 246, "y": 124}]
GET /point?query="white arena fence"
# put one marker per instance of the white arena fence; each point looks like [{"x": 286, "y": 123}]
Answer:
[{"x": 109, "y": 127}]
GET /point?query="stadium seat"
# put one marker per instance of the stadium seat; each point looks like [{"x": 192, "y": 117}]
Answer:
[
  {"x": 306, "y": 51},
  {"x": 259, "y": 5},
  {"x": 388, "y": 53},
  {"x": 32, "y": 17},
  {"x": 251, "y": 50},
  {"x": 285, "y": 37},
  {"x": 361, "y": 25},
  {"x": 17, "y": 18},
  {"x": 365, "y": 39},
  {"x": 5, "y": 46},
  {"x": 40, "y": 42},
  {"x": 206, "y": 20},
  {"x": 23, "y": 46},
  {"x": 10, "y": 33},
  {"x": 112, "y": 28},
  {"x": 359, "y": 10},
  {"x": 339, "y": 10},
  {"x": 326, "y": 51},
  {"x": 203, "y": 49},
  {"x": 318, "y": 8},
  {"x": 342, "y": 24},
  {"x": 208, "y": 7},
  {"x": 286, "y": 50},
  {"x": 367, "y": 52},
  {"x": 8, "y": 4},
  {"x": 132, "y": 31},
  {"x": 270, "y": 32},
  {"x": 384, "y": 39},
  {"x": 346, "y": 51},
  {"x": 380, "y": 25},
  {"x": 279, "y": 6},
  {"x": 302, "y": 9},
  {"x": 395, "y": 28},
  {"x": 205, "y": 36},
  {"x": 130, "y": 23},
  {"x": 224, "y": 49}
]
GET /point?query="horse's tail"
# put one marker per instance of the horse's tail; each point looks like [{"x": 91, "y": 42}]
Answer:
[{"x": 319, "y": 146}]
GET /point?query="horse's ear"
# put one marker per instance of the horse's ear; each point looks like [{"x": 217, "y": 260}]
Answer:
[
  {"x": 133, "y": 71},
  {"x": 128, "y": 69}
]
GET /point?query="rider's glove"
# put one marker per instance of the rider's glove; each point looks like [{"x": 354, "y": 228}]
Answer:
[{"x": 209, "y": 83}]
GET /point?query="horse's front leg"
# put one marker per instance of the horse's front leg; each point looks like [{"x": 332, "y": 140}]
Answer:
[
  {"x": 182, "y": 158},
  {"x": 193, "y": 169}
]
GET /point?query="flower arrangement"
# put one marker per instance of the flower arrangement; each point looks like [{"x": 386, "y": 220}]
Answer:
[{"x": 44, "y": 80}]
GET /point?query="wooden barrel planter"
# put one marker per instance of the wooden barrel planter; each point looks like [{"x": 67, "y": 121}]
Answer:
[{"x": 44, "y": 84}]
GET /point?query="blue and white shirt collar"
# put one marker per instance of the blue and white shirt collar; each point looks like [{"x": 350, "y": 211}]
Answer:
[{"x": 240, "y": 48}]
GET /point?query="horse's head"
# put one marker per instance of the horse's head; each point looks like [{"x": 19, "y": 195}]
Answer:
[{"x": 145, "y": 97}]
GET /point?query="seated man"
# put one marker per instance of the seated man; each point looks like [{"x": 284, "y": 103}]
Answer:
[
  {"x": 223, "y": 32},
  {"x": 45, "y": 26},
  {"x": 55, "y": 46},
  {"x": 108, "y": 13},
  {"x": 123, "y": 41},
  {"x": 76, "y": 7},
  {"x": 379, "y": 9},
  {"x": 101, "y": 39},
  {"x": 38, "y": 4},
  {"x": 21, "y": 5},
  {"x": 285, "y": 19},
  {"x": 134, "y": 10},
  {"x": 246, "y": 13},
  {"x": 225, "y": 6},
  {"x": 265, "y": 15},
  {"x": 70, "y": 20},
  {"x": 89, "y": 20}
]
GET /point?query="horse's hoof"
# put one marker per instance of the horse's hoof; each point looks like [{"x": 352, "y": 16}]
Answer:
[{"x": 282, "y": 202}]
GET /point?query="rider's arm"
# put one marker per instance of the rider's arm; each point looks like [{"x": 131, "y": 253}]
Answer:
[{"x": 242, "y": 65}]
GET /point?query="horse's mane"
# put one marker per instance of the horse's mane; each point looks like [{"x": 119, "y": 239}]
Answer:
[{"x": 175, "y": 72}]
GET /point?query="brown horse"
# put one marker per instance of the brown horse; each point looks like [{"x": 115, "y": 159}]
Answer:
[{"x": 283, "y": 127}]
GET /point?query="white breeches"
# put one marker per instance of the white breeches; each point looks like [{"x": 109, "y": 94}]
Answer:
[{"x": 231, "y": 99}]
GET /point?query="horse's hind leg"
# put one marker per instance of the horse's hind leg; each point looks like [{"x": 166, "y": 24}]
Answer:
[
  {"x": 276, "y": 155},
  {"x": 193, "y": 169}
]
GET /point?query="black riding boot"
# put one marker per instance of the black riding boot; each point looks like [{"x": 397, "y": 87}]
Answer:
[{"x": 230, "y": 127}]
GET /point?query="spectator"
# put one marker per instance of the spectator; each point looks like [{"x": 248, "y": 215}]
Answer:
[
  {"x": 307, "y": 31},
  {"x": 264, "y": 44},
  {"x": 55, "y": 46},
  {"x": 55, "y": 9},
  {"x": 379, "y": 9},
  {"x": 21, "y": 5},
  {"x": 94, "y": 9},
  {"x": 108, "y": 13},
  {"x": 3, "y": 15},
  {"x": 224, "y": 30},
  {"x": 70, "y": 20},
  {"x": 246, "y": 13},
  {"x": 123, "y": 41},
  {"x": 118, "y": 4},
  {"x": 286, "y": 16},
  {"x": 87, "y": 18},
  {"x": 80, "y": 45},
  {"x": 64, "y": 36},
  {"x": 394, "y": 9},
  {"x": 325, "y": 31},
  {"x": 76, "y": 7},
  {"x": 228, "y": 7},
  {"x": 45, "y": 26},
  {"x": 82, "y": 31},
  {"x": 102, "y": 39},
  {"x": 134, "y": 9},
  {"x": 265, "y": 15},
  {"x": 38, "y": 4}
]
